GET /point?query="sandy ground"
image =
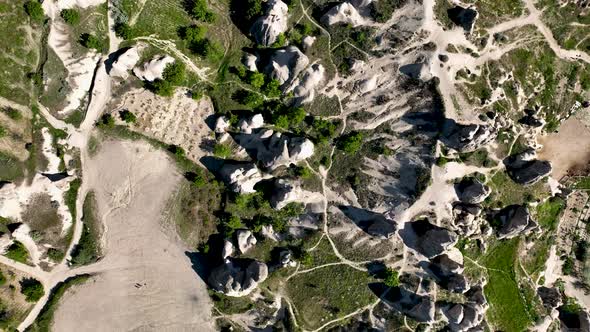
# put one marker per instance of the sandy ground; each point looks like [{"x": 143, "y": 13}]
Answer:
[
  {"x": 145, "y": 282},
  {"x": 567, "y": 149}
]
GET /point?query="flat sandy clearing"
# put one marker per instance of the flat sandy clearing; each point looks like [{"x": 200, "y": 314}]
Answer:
[
  {"x": 145, "y": 281},
  {"x": 569, "y": 148}
]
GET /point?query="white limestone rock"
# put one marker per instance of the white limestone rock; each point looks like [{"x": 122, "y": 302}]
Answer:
[
  {"x": 250, "y": 60},
  {"x": 235, "y": 279},
  {"x": 241, "y": 178},
  {"x": 153, "y": 69},
  {"x": 308, "y": 42},
  {"x": 124, "y": 63},
  {"x": 274, "y": 22},
  {"x": 344, "y": 13},
  {"x": 221, "y": 125},
  {"x": 246, "y": 240},
  {"x": 286, "y": 64},
  {"x": 228, "y": 249},
  {"x": 254, "y": 122},
  {"x": 304, "y": 88}
]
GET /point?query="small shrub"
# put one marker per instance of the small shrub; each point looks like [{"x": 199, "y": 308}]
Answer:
[
  {"x": 12, "y": 113},
  {"x": 32, "y": 289},
  {"x": 174, "y": 73},
  {"x": 127, "y": 116},
  {"x": 34, "y": 10},
  {"x": 193, "y": 33},
  {"x": 106, "y": 120},
  {"x": 207, "y": 48},
  {"x": 351, "y": 143},
  {"x": 255, "y": 79},
  {"x": 70, "y": 16},
  {"x": 176, "y": 150},
  {"x": 2, "y": 279},
  {"x": 55, "y": 255},
  {"x": 3, "y": 132},
  {"x": 391, "y": 278},
  {"x": 123, "y": 30},
  {"x": 200, "y": 11},
  {"x": 222, "y": 150},
  {"x": 161, "y": 87},
  {"x": 17, "y": 252}
]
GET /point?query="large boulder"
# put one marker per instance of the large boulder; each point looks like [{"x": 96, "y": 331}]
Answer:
[
  {"x": 419, "y": 71},
  {"x": 286, "y": 64},
  {"x": 465, "y": 138},
  {"x": 153, "y": 69},
  {"x": 463, "y": 17},
  {"x": 551, "y": 297},
  {"x": 513, "y": 220},
  {"x": 465, "y": 218},
  {"x": 238, "y": 277},
  {"x": 274, "y": 22},
  {"x": 428, "y": 239},
  {"x": 574, "y": 321},
  {"x": 344, "y": 13},
  {"x": 124, "y": 62},
  {"x": 447, "y": 274},
  {"x": 305, "y": 87},
  {"x": 374, "y": 224},
  {"x": 246, "y": 240},
  {"x": 471, "y": 190},
  {"x": 273, "y": 149},
  {"x": 241, "y": 177},
  {"x": 418, "y": 307},
  {"x": 286, "y": 192},
  {"x": 254, "y": 122},
  {"x": 523, "y": 168}
]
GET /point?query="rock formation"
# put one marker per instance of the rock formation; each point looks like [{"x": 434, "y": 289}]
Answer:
[
  {"x": 304, "y": 88},
  {"x": 428, "y": 239},
  {"x": 274, "y": 22},
  {"x": 463, "y": 17},
  {"x": 465, "y": 138},
  {"x": 524, "y": 169},
  {"x": 124, "y": 62},
  {"x": 286, "y": 64},
  {"x": 241, "y": 177},
  {"x": 344, "y": 13},
  {"x": 238, "y": 277},
  {"x": 514, "y": 219},
  {"x": 471, "y": 190},
  {"x": 273, "y": 149},
  {"x": 247, "y": 125},
  {"x": 153, "y": 69},
  {"x": 246, "y": 240}
]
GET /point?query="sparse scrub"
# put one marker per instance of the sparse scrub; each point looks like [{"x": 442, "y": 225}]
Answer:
[
  {"x": 222, "y": 150},
  {"x": 127, "y": 116},
  {"x": 351, "y": 143},
  {"x": 32, "y": 289},
  {"x": 34, "y": 9},
  {"x": 88, "y": 250},
  {"x": 90, "y": 41},
  {"x": 70, "y": 16}
]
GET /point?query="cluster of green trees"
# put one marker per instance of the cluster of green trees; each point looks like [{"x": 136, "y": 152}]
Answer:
[
  {"x": 351, "y": 142},
  {"x": 124, "y": 31},
  {"x": 91, "y": 41},
  {"x": 199, "y": 10},
  {"x": 127, "y": 116},
  {"x": 197, "y": 42},
  {"x": 268, "y": 86},
  {"x": 174, "y": 75}
]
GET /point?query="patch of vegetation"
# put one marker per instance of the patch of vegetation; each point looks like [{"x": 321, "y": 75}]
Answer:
[
  {"x": 549, "y": 212},
  {"x": 381, "y": 11},
  {"x": 506, "y": 192},
  {"x": 88, "y": 248},
  {"x": 173, "y": 75},
  {"x": 351, "y": 142},
  {"x": 34, "y": 9},
  {"x": 71, "y": 196},
  {"x": 230, "y": 305},
  {"x": 90, "y": 41},
  {"x": 328, "y": 293},
  {"x": 44, "y": 321},
  {"x": 391, "y": 278},
  {"x": 32, "y": 289},
  {"x": 17, "y": 252},
  {"x": 477, "y": 158},
  {"x": 198, "y": 9},
  {"x": 222, "y": 150},
  {"x": 127, "y": 116},
  {"x": 70, "y": 16}
]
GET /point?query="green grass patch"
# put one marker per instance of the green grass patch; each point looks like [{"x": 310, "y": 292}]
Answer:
[
  {"x": 17, "y": 252},
  {"x": 549, "y": 212},
  {"x": 87, "y": 250},
  {"x": 506, "y": 192},
  {"x": 328, "y": 293}
]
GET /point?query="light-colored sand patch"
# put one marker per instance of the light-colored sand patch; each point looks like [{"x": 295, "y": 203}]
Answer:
[
  {"x": 567, "y": 149},
  {"x": 145, "y": 281},
  {"x": 178, "y": 120}
]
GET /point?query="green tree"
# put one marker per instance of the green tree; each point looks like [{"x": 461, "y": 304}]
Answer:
[
  {"x": 90, "y": 41},
  {"x": 106, "y": 121},
  {"x": 3, "y": 132},
  {"x": 174, "y": 73},
  {"x": 193, "y": 33},
  {"x": 254, "y": 9},
  {"x": 32, "y": 289},
  {"x": 207, "y": 48},
  {"x": 200, "y": 11},
  {"x": 34, "y": 10},
  {"x": 255, "y": 79},
  {"x": 272, "y": 88},
  {"x": 351, "y": 143},
  {"x": 127, "y": 116},
  {"x": 70, "y": 16},
  {"x": 123, "y": 30},
  {"x": 391, "y": 278}
]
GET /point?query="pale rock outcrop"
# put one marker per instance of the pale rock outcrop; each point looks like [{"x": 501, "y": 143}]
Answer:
[
  {"x": 466, "y": 218},
  {"x": 307, "y": 42},
  {"x": 153, "y": 69},
  {"x": 254, "y": 122},
  {"x": 268, "y": 232},
  {"x": 221, "y": 125},
  {"x": 471, "y": 190},
  {"x": 286, "y": 259},
  {"x": 286, "y": 64},
  {"x": 238, "y": 277},
  {"x": 465, "y": 138},
  {"x": 447, "y": 273},
  {"x": 249, "y": 60},
  {"x": 286, "y": 192},
  {"x": 274, "y": 22},
  {"x": 515, "y": 219},
  {"x": 469, "y": 315},
  {"x": 426, "y": 238},
  {"x": 227, "y": 250},
  {"x": 525, "y": 169},
  {"x": 344, "y": 13},
  {"x": 419, "y": 71},
  {"x": 241, "y": 177},
  {"x": 305, "y": 87},
  {"x": 367, "y": 85},
  {"x": 125, "y": 62},
  {"x": 246, "y": 240},
  {"x": 272, "y": 149}
]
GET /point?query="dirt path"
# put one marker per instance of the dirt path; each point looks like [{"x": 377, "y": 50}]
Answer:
[{"x": 145, "y": 272}]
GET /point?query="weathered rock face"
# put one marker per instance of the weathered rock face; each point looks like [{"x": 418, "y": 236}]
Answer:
[
  {"x": 227, "y": 250},
  {"x": 531, "y": 120},
  {"x": 465, "y": 138},
  {"x": 374, "y": 224},
  {"x": 286, "y": 64},
  {"x": 344, "y": 13},
  {"x": 447, "y": 274},
  {"x": 246, "y": 240},
  {"x": 238, "y": 277},
  {"x": 308, "y": 42},
  {"x": 466, "y": 218},
  {"x": 153, "y": 69},
  {"x": 428, "y": 239},
  {"x": 574, "y": 321},
  {"x": 250, "y": 60},
  {"x": 472, "y": 191},
  {"x": 419, "y": 71},
  {"x": 304, "y": 88},
  {"x": 254, "y": 122},
  {"x": 463, "y": 17},
  {"x": 273, "y": 149},
  {"x": 287, "y": 192},
  {"x": 469, "y": 315},
  {"x": 241, "y": 177},
  {"x": 419, "y": 307},
  {"x": 514, "y": 220},
  {"x": 524, "y": 169},
  {"x": 221, "y": 125},
  {"x": 124, "y": 63},
  {"x": 550, "y": 296},
  {"x": 274, "y": 22}
]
